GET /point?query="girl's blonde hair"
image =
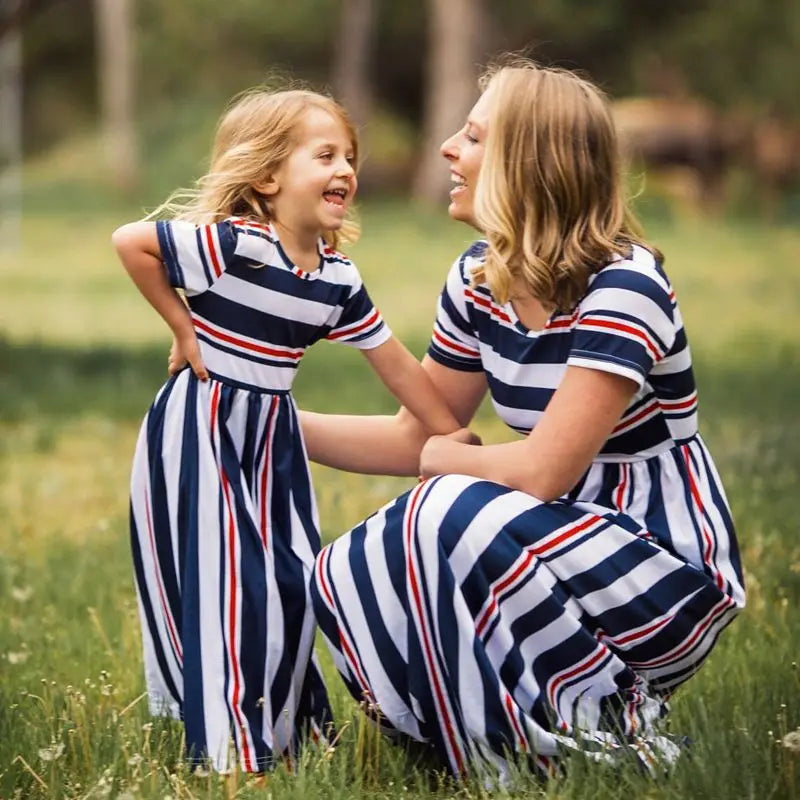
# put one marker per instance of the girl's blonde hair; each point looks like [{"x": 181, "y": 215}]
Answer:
[
  {"x": 549, "y": 196},
  {"x": 257, "y": 132}
]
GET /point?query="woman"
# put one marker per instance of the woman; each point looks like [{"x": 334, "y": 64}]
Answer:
[{"x": 551, "y": 592}]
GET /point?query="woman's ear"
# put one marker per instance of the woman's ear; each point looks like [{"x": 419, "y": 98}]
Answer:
[{"x": 268, "y": 186}]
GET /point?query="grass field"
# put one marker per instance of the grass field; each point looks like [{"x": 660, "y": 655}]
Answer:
[{"x": 81, "y": 356}]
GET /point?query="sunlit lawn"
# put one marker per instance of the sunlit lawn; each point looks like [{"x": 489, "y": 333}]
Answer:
[{"x": 81, "y": 356}]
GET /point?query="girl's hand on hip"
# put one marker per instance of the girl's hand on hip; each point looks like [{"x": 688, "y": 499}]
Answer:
[{"x": 186, "y": 349}]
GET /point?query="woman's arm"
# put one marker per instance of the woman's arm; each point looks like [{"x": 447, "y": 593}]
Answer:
[
  {"x": 139, "y": 251},
  {"x": 389, "y": 445},
  {"x": 576, "y": 423}
]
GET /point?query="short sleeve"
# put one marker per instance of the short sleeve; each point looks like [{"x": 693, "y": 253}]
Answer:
[
  {"x": 196, "y": 255},
  {"x": 453, "y": 342},
  {"x": 359, "y": 324},
  {"x": 626, "y": 321}
]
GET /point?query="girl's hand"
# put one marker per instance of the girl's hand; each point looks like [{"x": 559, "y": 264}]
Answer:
[
  {"x": 176, "y": 360},
  {"x": 185, "y": 348}
]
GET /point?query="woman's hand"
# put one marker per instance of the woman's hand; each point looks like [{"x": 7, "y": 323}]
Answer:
[
  {"x": 436, "y": 447},
  {"x": 186, "y": 349}
]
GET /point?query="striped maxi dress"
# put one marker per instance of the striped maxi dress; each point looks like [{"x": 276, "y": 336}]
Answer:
[
  {"x": 224, "y": 525},
  {"x": 495, "y": 626}
]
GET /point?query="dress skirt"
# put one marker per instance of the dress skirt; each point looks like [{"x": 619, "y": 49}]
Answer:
[
  {"x": 495, "y": 626},
  {"x": 224, "y": 533}
]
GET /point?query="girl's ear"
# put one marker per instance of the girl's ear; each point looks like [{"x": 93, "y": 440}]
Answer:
[{"x": 268, "y": 186}]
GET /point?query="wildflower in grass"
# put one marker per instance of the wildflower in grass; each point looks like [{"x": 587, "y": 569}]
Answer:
[
  {"x": 22, "y": 593},
  {"x": 18, "y": 657},
  {"x": 792, "y": 741},
  {"x": 51, "y": 753}
]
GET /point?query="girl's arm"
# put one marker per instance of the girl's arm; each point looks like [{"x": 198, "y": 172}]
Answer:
[
  {"x": 403, "y": 376},
  {"x": 138, "y": 250},
  {"x": 578, "y": 420},
  {"x": 391, "y": 445}
]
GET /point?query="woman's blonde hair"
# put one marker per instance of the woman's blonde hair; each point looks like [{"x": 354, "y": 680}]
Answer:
[
  {"x": 550, "y": 196},
  {"x": 257, "y": 132}
]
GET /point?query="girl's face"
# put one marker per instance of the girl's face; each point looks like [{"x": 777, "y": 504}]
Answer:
[
  {"x": 312, "y": 189},
  {"x": 464, "y": 150}
]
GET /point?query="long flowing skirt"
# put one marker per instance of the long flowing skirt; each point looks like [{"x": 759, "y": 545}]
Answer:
[
  {"x": 492, "y": 625},
  {"x": 224, "y": 534}
]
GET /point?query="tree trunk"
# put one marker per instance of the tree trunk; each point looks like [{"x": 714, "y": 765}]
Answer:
[
  {"x": 352, "y": 58},
  {"x": 454, "y": 27},
  {"x": 115, "y": 72},
  {"x": 351, "y": 80},
  {"x": 11, "y": 137}
]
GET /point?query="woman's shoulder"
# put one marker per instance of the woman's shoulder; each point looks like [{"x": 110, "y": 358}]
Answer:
[
  {"x": 468, "y": 260},
  {"x": 639, "y": 271}
]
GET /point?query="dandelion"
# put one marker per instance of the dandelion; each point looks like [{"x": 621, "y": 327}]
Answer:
[
  {"x": 147, "y": 727},
  {"x": 135, "y": 760},
  {"x": 51, "y": 753},
  {"x": 792, "y": 741},
  {"x": 22, "y": 593}
]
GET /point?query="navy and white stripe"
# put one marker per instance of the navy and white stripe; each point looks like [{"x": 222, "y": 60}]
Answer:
[
  {"x": 224, "y": 526},
  {"x": 486, "y": 622}
]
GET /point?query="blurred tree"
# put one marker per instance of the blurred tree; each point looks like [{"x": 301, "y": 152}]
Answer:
[
  {"x": 352, "y": 56},
  {"x": 11, "y": 129},
  {"x": 454, "y": 47},
  {"x": 115, "y": 72},
  {"x": 351, "y": 70}
]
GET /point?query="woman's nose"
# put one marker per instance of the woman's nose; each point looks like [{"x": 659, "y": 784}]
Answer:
[{"x": 448, "y": 148}]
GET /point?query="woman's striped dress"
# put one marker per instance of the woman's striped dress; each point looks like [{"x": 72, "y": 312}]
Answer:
[
  {"x": 486, "y": 622},
  {"x": 224, "y": 523}
]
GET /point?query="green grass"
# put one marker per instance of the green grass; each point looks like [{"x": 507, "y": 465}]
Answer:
[{"x": 81, "y": 356}]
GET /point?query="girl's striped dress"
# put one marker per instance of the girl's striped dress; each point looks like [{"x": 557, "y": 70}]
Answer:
[
  {"x": 488, "y": 623},
  {"x": 224, "y": 523}
]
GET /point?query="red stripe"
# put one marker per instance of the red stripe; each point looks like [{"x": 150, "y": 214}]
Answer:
[
  {"x": 672, "y": 405},
  {"x": 294, "y": 355},
  {"x": 428, "y": 654},
  {"x": 585, "y": 667},
  {"x": 499, "y": 588},
  {"x": 710, "y": 545},
  {"x": 232, "y": 605},
  {"x": 264, "y": 473},
  {"x": 350, "y": 331},
  {"x": 643, "y": 412},
  {"x": 631, "y": 637},
  {"x": 212, "y": 251},
  {"x": 513, "y": 717},
  {"x": 453, "y": 345},
  {"x": 566, "y": 535},
  {"x": 623, "y": 484},
  {"x": 603, "y": 323},
  {"x": 346, "y": 649},
  {"x": 493, "y": 309},
  {"x": 321, "y": 573},
  {"x": 176, "y": 645},
  {"x": 673, "y": 655}
]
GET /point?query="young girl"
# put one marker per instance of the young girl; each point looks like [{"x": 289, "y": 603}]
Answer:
[{"x": 223, "y": 519}]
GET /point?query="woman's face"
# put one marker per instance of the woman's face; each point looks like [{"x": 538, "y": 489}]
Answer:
[{"x": 464, "y": 150}]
